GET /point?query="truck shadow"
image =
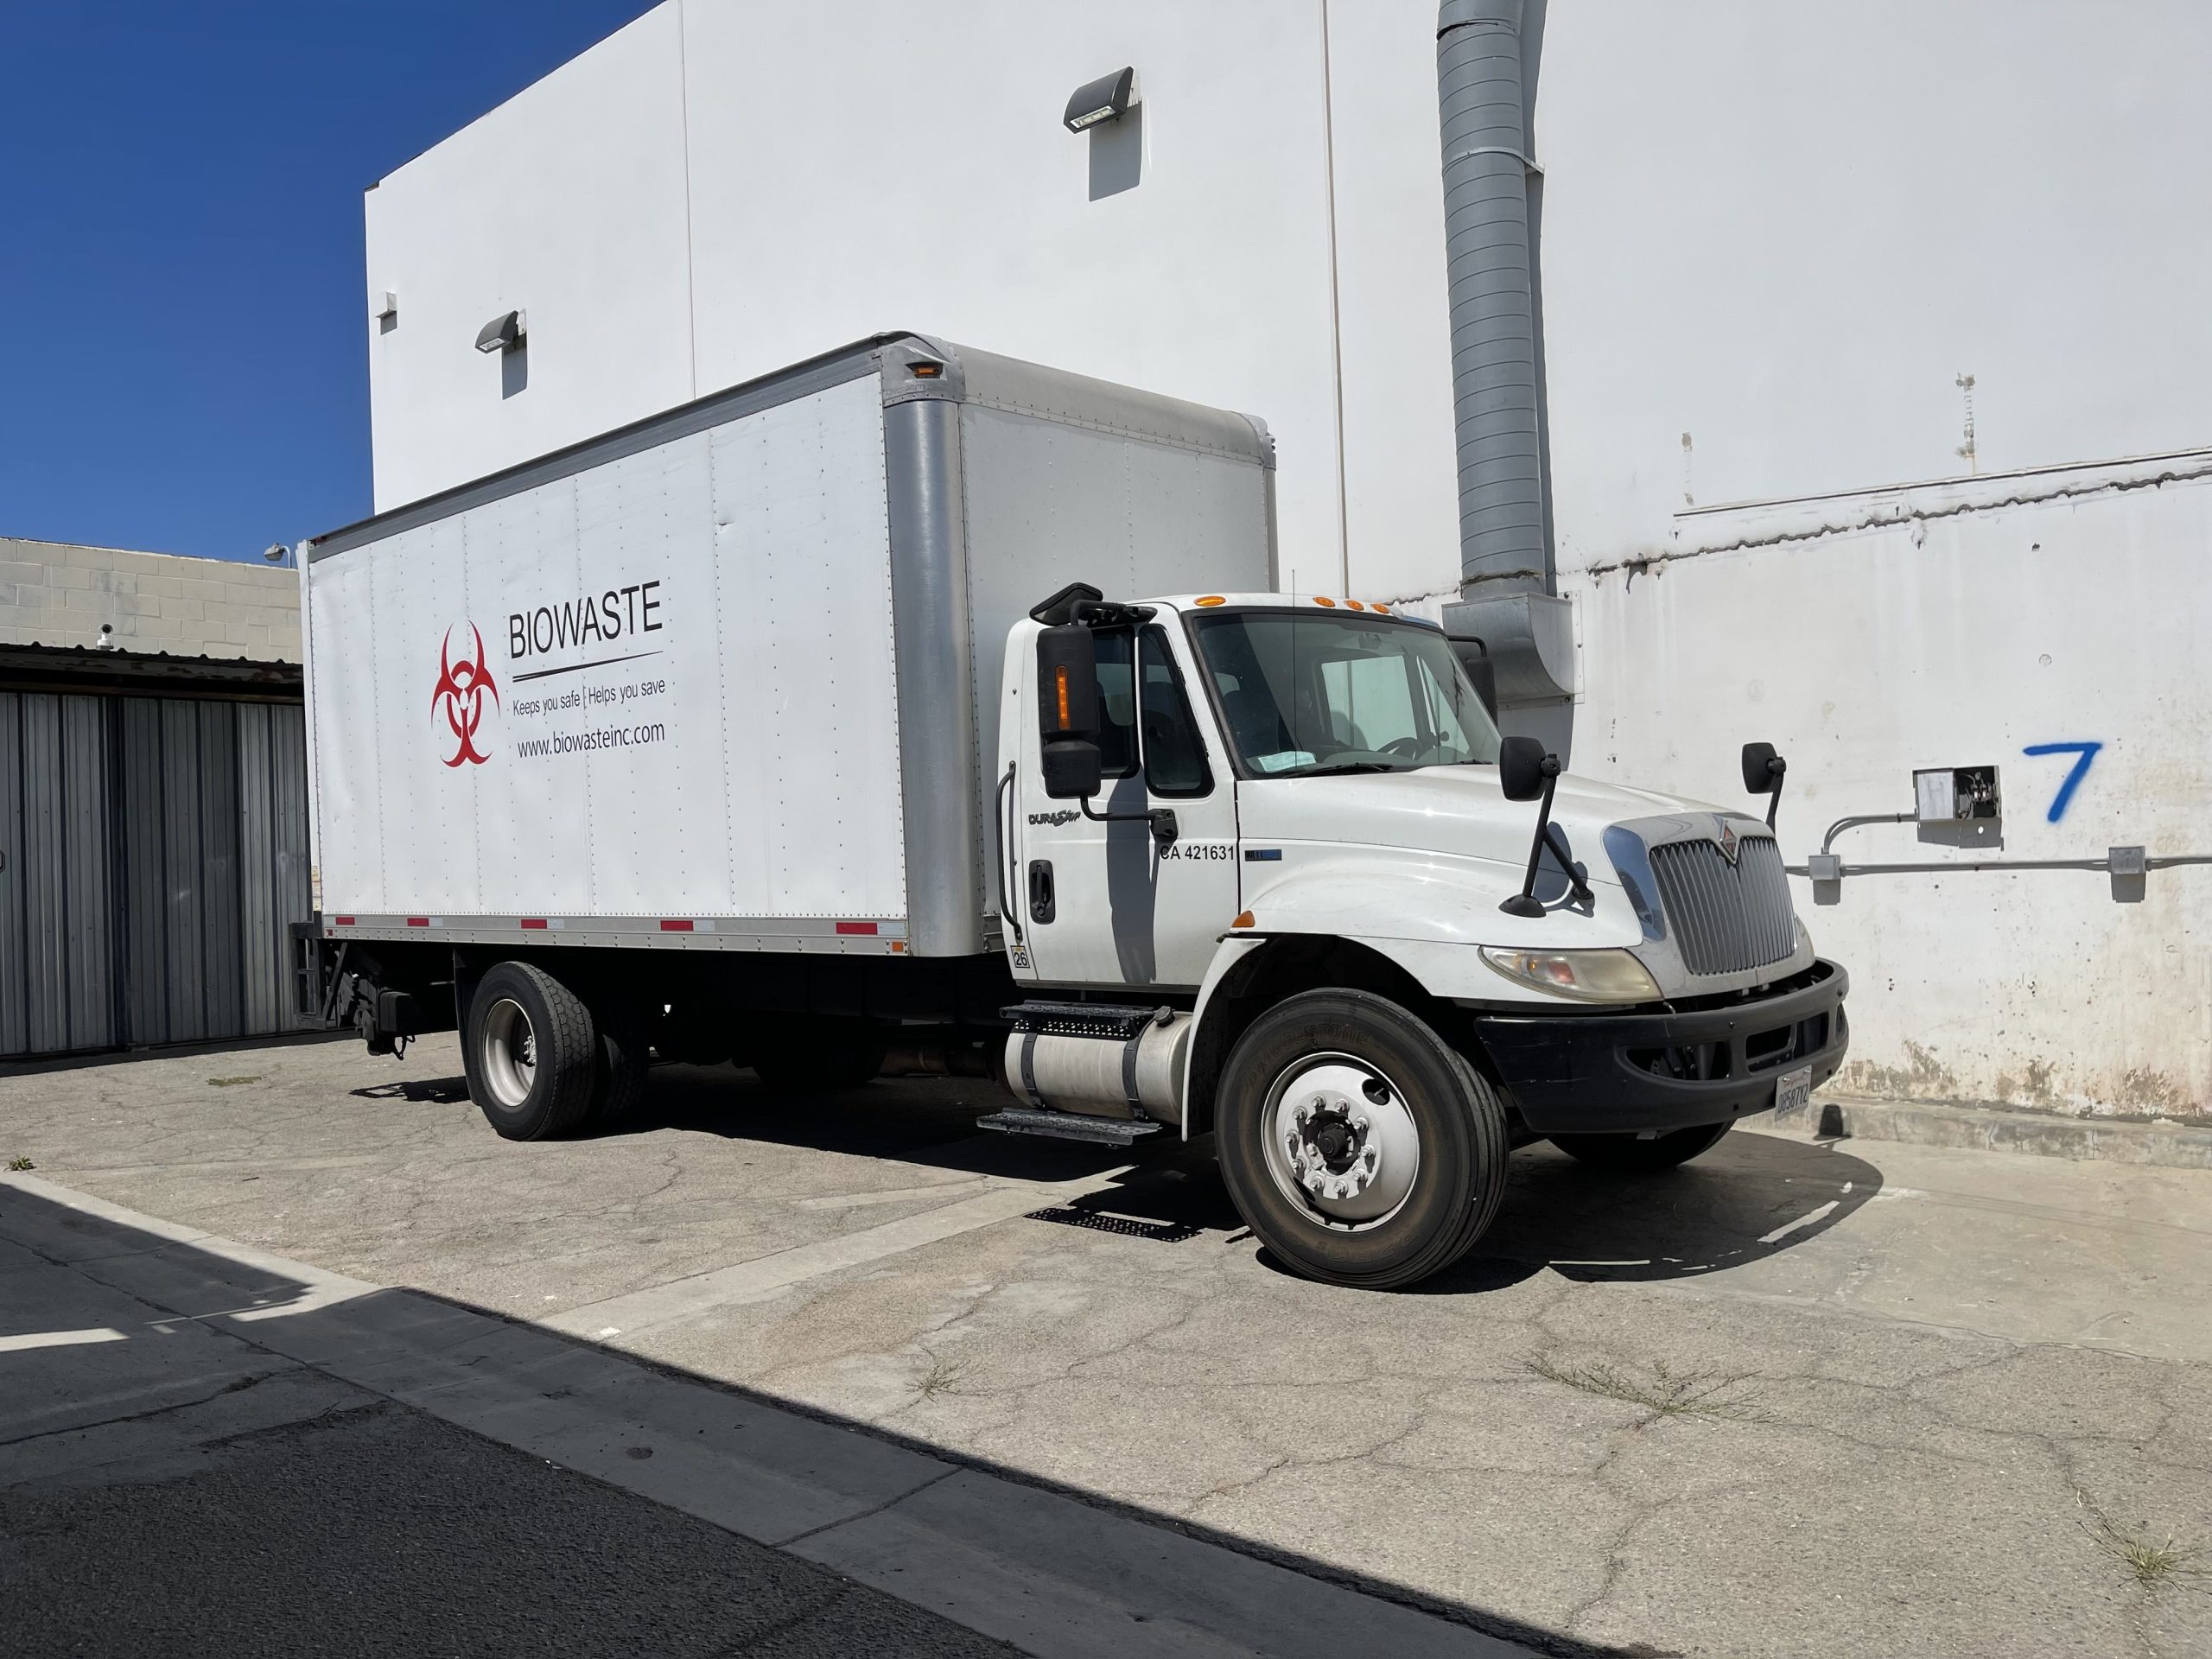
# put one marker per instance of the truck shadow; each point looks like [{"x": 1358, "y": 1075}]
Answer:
[{"x": 1753, "y": 1197}]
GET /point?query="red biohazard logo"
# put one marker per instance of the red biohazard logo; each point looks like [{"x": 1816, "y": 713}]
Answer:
[{"x": 460, "y": 695}]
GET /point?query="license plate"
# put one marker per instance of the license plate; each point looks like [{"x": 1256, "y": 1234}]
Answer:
[{"x": 1793, "y": 1090}]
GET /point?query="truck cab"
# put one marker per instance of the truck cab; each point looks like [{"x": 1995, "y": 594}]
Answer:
[{"x": 1269, "y": 869}]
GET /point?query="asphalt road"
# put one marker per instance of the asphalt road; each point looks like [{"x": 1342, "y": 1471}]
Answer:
[{"x": 369, "y": 1529}]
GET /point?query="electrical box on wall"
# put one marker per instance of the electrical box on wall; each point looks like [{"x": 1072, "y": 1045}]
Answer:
[{"x": 1959, "y": 806}]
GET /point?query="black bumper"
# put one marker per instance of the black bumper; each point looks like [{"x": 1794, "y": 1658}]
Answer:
[{"x": 1593, "y": 1073}]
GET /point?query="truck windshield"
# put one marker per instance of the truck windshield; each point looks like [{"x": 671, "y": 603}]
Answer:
[{"x": 1304, "y": 693}]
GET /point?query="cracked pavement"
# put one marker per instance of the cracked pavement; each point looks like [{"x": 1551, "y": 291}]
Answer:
[{"x": 1948, "y": 1381}]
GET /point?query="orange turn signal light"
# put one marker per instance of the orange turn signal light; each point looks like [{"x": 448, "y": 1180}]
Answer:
[{"x": 1243, "y": 919}]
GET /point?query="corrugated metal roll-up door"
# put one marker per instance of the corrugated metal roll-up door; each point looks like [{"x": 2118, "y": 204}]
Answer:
[{"x": 154, "y": 855}]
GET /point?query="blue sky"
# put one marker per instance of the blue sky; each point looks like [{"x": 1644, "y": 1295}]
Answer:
[{"x": 183, "y": 358}]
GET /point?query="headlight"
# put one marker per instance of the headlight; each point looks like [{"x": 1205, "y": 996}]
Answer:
[{"x": 1586, "y": 976}]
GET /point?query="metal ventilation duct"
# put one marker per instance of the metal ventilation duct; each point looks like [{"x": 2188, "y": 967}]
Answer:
[{"x": 1504, "y": 567}]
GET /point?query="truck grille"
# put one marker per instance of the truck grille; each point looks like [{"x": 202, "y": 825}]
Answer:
[{"x": 1727, "y": 917}]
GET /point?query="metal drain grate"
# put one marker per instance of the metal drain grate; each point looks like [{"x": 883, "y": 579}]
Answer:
[{"x": 1160, "y": 1232}]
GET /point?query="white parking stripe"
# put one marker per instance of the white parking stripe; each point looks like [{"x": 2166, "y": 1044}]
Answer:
[
  {"x": 768, "y": 1275},
  {"x": 56, "y": 1339}
]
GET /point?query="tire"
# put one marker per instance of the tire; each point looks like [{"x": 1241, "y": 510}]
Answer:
[
  {"x": 618, "y": 1082},
  {"x": 817, "y": 1056},
  {"x": 1627, "y": 1153},
  {"x": 530, "y": 1051},
  {"x": 1383, "y": 1082}
]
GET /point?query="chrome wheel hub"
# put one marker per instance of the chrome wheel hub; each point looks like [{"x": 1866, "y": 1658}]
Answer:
[
  {"x": 1341, "y": 1141},
  {"x": 508, "y": 1052}
]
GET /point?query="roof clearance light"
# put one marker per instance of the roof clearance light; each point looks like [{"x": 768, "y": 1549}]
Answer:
[
  {"x": 1330, "y": 603},
  {"x": 1353, "y": 604},
  {"x": 1378, "y": 608},
  {"x": 1213, "y": 598},
  {"x": 926, "y": 371}
]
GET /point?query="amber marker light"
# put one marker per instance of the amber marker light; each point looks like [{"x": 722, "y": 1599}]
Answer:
[
  {"x": 1354, "y": 605},
  {"x": 1243, "y": 919},
  {"x": 1330, "y": 603},
  {"x": 1379, "y": 609},
  {"x": 1212, "y": 599},
  {"x": 1060, "y": 681}
]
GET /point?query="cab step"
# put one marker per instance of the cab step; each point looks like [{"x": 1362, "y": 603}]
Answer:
[
  {"x": 1107, "y": 1021},
  {"x": 1070, "y": 1126}
]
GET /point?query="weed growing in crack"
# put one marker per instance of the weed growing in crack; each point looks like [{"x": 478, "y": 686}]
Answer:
[
  {"x": 229, "y": 1082},
  {"x": 21, "y": 1163},
  {"x": 2155, "y": 1566},
  {"x": 1667, "y": 1393},
  {"x": 943, "y": 1377}
]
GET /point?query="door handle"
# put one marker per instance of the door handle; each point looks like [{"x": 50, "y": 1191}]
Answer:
[
  {"x": 1040, "y": 890},
  {"x": 1003, "y": 875}
]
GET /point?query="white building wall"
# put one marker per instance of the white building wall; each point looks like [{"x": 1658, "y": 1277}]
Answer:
[
  {"x": 566, "y": 203},
  {"x": 1774, "y": 239}
]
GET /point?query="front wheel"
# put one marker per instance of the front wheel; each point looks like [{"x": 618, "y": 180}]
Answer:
[
  {"x": 1632, "y": 1153},
  {"x": 1359, "y": 1147}
]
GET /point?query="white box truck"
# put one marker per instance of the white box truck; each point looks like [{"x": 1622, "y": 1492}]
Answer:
[{"x": 915, "y": 709}]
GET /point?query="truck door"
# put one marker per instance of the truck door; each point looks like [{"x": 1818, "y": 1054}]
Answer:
[{"x": 1104, "y": 903}]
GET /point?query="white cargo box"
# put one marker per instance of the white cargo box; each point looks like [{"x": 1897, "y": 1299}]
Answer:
[{"x": 726, "y": 678}]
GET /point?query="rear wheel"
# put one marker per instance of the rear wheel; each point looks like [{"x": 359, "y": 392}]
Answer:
[
  {"x": 1360, "y": 1147},
  {"x": 530, "y": 1050},
  {"x": 1632, "y": 1153},
  {"x": 618, "y": 1085}
]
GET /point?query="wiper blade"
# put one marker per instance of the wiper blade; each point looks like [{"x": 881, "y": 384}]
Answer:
[{"x": 1346, "y": 768}]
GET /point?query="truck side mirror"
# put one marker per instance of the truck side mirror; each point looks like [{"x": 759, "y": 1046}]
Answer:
[
  {"x": 1072, "y": 768},
  {"x": 1762, "y": 770},
  {"x": 1067, "y": 712},
  {"x": 1482, "y": 673},
  {"x": 1527, "y": 773},
  {"x": 1520, "y": 768}
]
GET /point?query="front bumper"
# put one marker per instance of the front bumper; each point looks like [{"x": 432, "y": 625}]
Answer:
[{"x": 1595, "y": 1072}]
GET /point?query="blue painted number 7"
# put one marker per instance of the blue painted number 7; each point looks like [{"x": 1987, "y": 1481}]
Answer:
[{"x": 2087, "y": 752}]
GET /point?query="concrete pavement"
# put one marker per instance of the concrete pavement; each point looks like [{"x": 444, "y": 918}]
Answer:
[{"x": 1797, "y": 1398}]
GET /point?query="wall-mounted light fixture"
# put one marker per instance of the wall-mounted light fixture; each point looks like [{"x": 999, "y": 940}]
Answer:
[
  {"x": 1106, "y": 99},
  {"x": 505, "y": 332}
]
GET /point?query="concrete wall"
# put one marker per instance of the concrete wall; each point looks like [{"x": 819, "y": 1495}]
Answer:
[
  {"x": 53, "y": 593},
  {"x": 1775, "y": 240}
]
